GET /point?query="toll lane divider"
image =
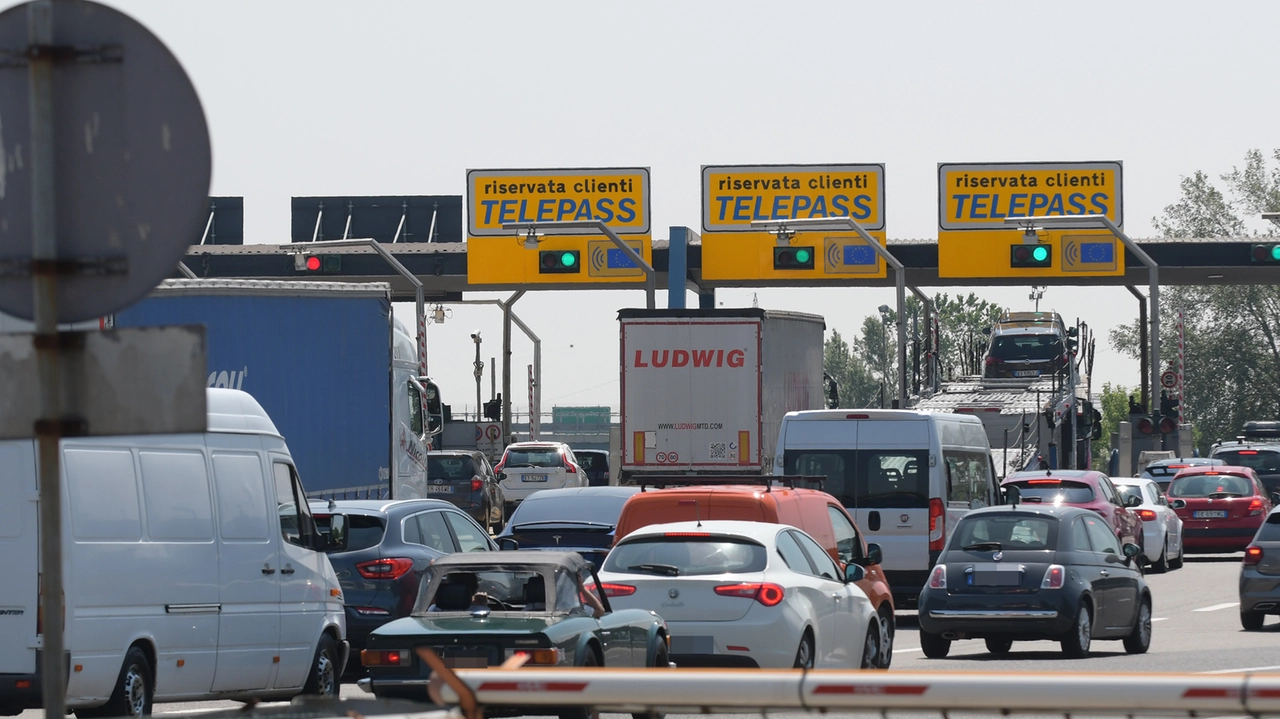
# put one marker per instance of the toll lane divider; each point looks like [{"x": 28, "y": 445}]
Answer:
[{"x": 730, "y": 691}]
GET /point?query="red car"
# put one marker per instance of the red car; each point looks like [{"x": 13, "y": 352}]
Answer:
[
  {"x": 1221, "y": 507},
  {"x": 1081, "y": 488}
]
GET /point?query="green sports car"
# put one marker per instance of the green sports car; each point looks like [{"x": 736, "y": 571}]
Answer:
[{"x": 479, "y": 609}]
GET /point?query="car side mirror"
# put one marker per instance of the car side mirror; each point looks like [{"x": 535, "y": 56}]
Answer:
[
  {"x": 1132, "y": 500},
  {"x": 1178, "y": 504},
  {"x": 337, "y": 537},
  {"x": 875, "y": 555},
  {"x": 501, "y": 476},
  {"x": 1275, "y": 497},
  {"x": 854, "y": 573},
  {"x": 1131, "y": 550},
  {"x": 508, "y": 543}
]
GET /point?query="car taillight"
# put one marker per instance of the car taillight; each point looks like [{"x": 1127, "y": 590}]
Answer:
[
  {"x": 994, "y": 360},
  {"x": 386, "y": 568},
  {"x": 617, "y": 590},
  {"x": 541, "y": 656},
  {"x": 1255, "y": 507},
  {"x": 568, "y": 466},
  {"x": 476, "y": 484},
  {"x": 1147, "y": 515},
  {"x": 371, "y": 611},
  {"x": 385, "y": 658},
  {"x": 938, "y": 577},
  {"x": 767, "y": 593},
  {"x": 1054, "y": 577},
  {"x": 937, "y": 525},
  {"x": 1252, "y": 555}
]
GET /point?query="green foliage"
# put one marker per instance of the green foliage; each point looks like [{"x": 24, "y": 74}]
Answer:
[
  {"x": 858, "y": 386},
  {"x": 1113, "y": 403},
  {"x": 1232, "y": 352}
]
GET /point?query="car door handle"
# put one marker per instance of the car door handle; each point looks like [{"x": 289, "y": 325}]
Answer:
[
  {"x": 286, "y": 569},
  {"x": 266, "y": 569},
  {"x": 1105, "y": 573}
]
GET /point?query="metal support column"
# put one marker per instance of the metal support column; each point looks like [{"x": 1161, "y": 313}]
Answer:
[
  {"x": 506, "y": 364},
  {"x": 1142, "y": 344}
]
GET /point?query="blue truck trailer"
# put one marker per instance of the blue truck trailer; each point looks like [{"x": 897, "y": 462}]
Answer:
[{"x": 328, "y": 362}]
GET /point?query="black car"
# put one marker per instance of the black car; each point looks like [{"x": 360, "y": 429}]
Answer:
[
  {"x": 1027, "y": 344},
  {"x": 595, "y": 462},
  {"x": 579, "y": 519},
  {"x": 1022, "y": 572},
  {"x": 467, "y": 480},
  {"x": 390, "y": 544},
  {"x": 1263, "y": 457}
]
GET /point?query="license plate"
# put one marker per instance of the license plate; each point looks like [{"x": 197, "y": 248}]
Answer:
[
  {"x": 1026, "y": 373},
  {"x": 1210, "y": 514},
  {"x": 533, "y": 478},
  {"x": 693, "y": 644},
  {"x": 440, "y": 489},
  {"x": 466, "y": 662},
  {"x": 997, "y": 578}
]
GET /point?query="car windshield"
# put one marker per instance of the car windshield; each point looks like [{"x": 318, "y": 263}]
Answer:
[
  {"x": 546, "y": 457},
  {"x": 1262, "y": 461},
  {"x": 683, "y": 556},
  {"x": 450, "y": 467},
  {"x": 989, "y": 532},
  {"x": 363, "y": 530},
  {"x": 1127, "y": 491},
  {"x": 514, "y": 588},
  {"x": 1054, "y": 491},
  {"x": 1270, "y": 529},
  {"x": 569, "y": 508},
  {"x": 1026, "y": 347},
  {"x": 1208, "y": 485},
  {"x": 591, "y": 461}
]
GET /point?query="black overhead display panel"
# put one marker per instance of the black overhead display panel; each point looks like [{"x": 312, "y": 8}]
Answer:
[
  {"x": 396, "y": 218},
  {"x": 226, "y": 221}
]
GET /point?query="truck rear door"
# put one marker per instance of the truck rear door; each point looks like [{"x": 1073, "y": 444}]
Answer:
[{"x": 19, "y": 592}]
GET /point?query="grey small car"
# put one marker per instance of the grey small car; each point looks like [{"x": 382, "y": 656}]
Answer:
[{"x": 1260, "y": 575}]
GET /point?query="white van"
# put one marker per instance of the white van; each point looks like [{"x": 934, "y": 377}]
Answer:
[
  {"x": 190, "y": 570},
  {"x": 906, "y": 477}
]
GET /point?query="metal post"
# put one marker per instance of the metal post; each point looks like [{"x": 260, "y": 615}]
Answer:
[
  {"x": 477, "y": 371},
  {"x": 650, "y": 274},
  {"x": 44, "y": 256},
  {"x": 493, "y": 378},
  {"x": 1142, "y": 342},
  {"x": 506, "y": 364},
  {"x": 931, "y": 360},
  {"x": 535, "y": 407}
]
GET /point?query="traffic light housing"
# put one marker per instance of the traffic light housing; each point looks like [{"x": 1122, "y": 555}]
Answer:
[
  {"x": 793, "y": 258},
  {"x": 317, "y": 264},
  {"x": 1145, "y": 425},
  {"x": 493, "y": 409},
  {"x": 557, "y": 262},
  {"x": 1168, "y": 413},
  {"x": 1023, "y": 255},
  {"x": 1268, "y": 253}
]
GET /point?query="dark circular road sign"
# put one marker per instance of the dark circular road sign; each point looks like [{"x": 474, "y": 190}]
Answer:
[{"x": 131, "y": 160}]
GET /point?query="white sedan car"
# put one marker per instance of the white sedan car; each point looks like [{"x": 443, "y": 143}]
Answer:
[
  {"x": 745, "y": 594},
  {"x": 1161, "y": 526}
]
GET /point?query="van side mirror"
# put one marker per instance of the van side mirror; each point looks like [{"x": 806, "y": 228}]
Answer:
[
  {"x": 854, "y": 573},
  {"x": 336, "y": 540},
  {"x": 874, "y": 554}
]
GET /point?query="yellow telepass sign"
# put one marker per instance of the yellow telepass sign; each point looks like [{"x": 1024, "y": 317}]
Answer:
[
  {"x": 617, "y": 196},
  {"x": 735, "y": 196},
  {"x": 974, "y": 200}
]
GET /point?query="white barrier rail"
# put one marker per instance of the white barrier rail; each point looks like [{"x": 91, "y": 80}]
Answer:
[{"x": 732, "y": 691}]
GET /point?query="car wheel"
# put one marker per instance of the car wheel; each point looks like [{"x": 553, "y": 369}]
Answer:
[
  {"x": 888, "y": 627},
  {"x": 871, "y": 647},
  {"x": 999, "y": 646},
  {"x": 661, "y": 660},
  {"x": 1139, "y": 640},
  {"x": 1162, "y": 564},
  {"x": 804, "y": 654},
  {"x": 1252, "y": 621},
  {"x": 1075, "y": 643},
  {"x": 323, "y": 679},
  {"x": 1176, "y": 563},
  {"x": 585, "y": 712},
  {"x": 133, "y": 692},
  {"x": 934, "y": 646}
]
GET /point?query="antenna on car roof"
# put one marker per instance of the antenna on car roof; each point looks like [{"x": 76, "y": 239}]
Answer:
[{"x": 697, "y": 512}]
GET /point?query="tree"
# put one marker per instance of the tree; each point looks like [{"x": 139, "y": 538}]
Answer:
[
  {"x": 1232, "y": 352},
  {"x": 1114, "y": 406},
  {"x": 857, "y": 385},
  {"x": 961, "y": 342}
]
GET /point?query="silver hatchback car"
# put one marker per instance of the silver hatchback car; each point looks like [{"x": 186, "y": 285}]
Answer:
[{"x": 1260, "y": 575}]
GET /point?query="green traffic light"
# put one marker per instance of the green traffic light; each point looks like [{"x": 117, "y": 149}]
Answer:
[
  {"x": 1040, "y": 254},
  {"x": 802, "y": 256},
  {"x": 567, "y": 259},
  {"x": 1275, "y": 252}
]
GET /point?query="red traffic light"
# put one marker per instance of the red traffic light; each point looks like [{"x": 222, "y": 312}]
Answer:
[
  {"x": 313, "y": 263},
  {"x": 1167, "y": 425},
  {"x": 1146, "y": 426}
]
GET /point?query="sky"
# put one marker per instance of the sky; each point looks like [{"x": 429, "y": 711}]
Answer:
[{"x": 318, "y": 97}]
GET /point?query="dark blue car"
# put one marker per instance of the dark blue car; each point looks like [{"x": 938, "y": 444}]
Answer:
[
  {"x": 578, "y": 519},
  {"x": 390, "y": 544}
]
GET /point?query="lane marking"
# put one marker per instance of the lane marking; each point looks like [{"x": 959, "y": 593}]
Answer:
[
  {"x": 1237, "y": 671},
  {"x": 1158, "y": 619},
  {"x": 1216, "y": 607},
  {"x": 905, "y": 649}
]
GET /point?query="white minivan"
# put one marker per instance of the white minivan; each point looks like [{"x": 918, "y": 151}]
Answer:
[
  {"x": 191, "y": 570},
  {"x": 906, "y": 477}
]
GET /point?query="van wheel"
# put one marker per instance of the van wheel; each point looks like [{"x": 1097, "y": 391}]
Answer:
[
  {"x": 133, "y": 691},
  {"x": 323, "y": 680}
]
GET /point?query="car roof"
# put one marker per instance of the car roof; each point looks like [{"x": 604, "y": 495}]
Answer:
[
  {"x": 542, "y": 558},
  {"x": 1272, "y": 445},
  {"x": 761, "y": 531},
  {"x": 1060, "y": 511},
  {"x": 1186, "y": 460},
  {"x": 543, "y": 495},
  {"x": 744, "y": 489},
  {"x": 537, "y": 445},
  {"x": 372, "y": 506},
  {"x": 1215, "y": 469},
  {"x": 455, "y": 452},
  {"x": 1132, "y": 481},
  {"x": 591, "y": 451},
  {"x": 1075, "y": 474}
]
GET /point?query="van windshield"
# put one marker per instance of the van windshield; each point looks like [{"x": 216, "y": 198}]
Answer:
[{"x": 867, "y": 478}]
